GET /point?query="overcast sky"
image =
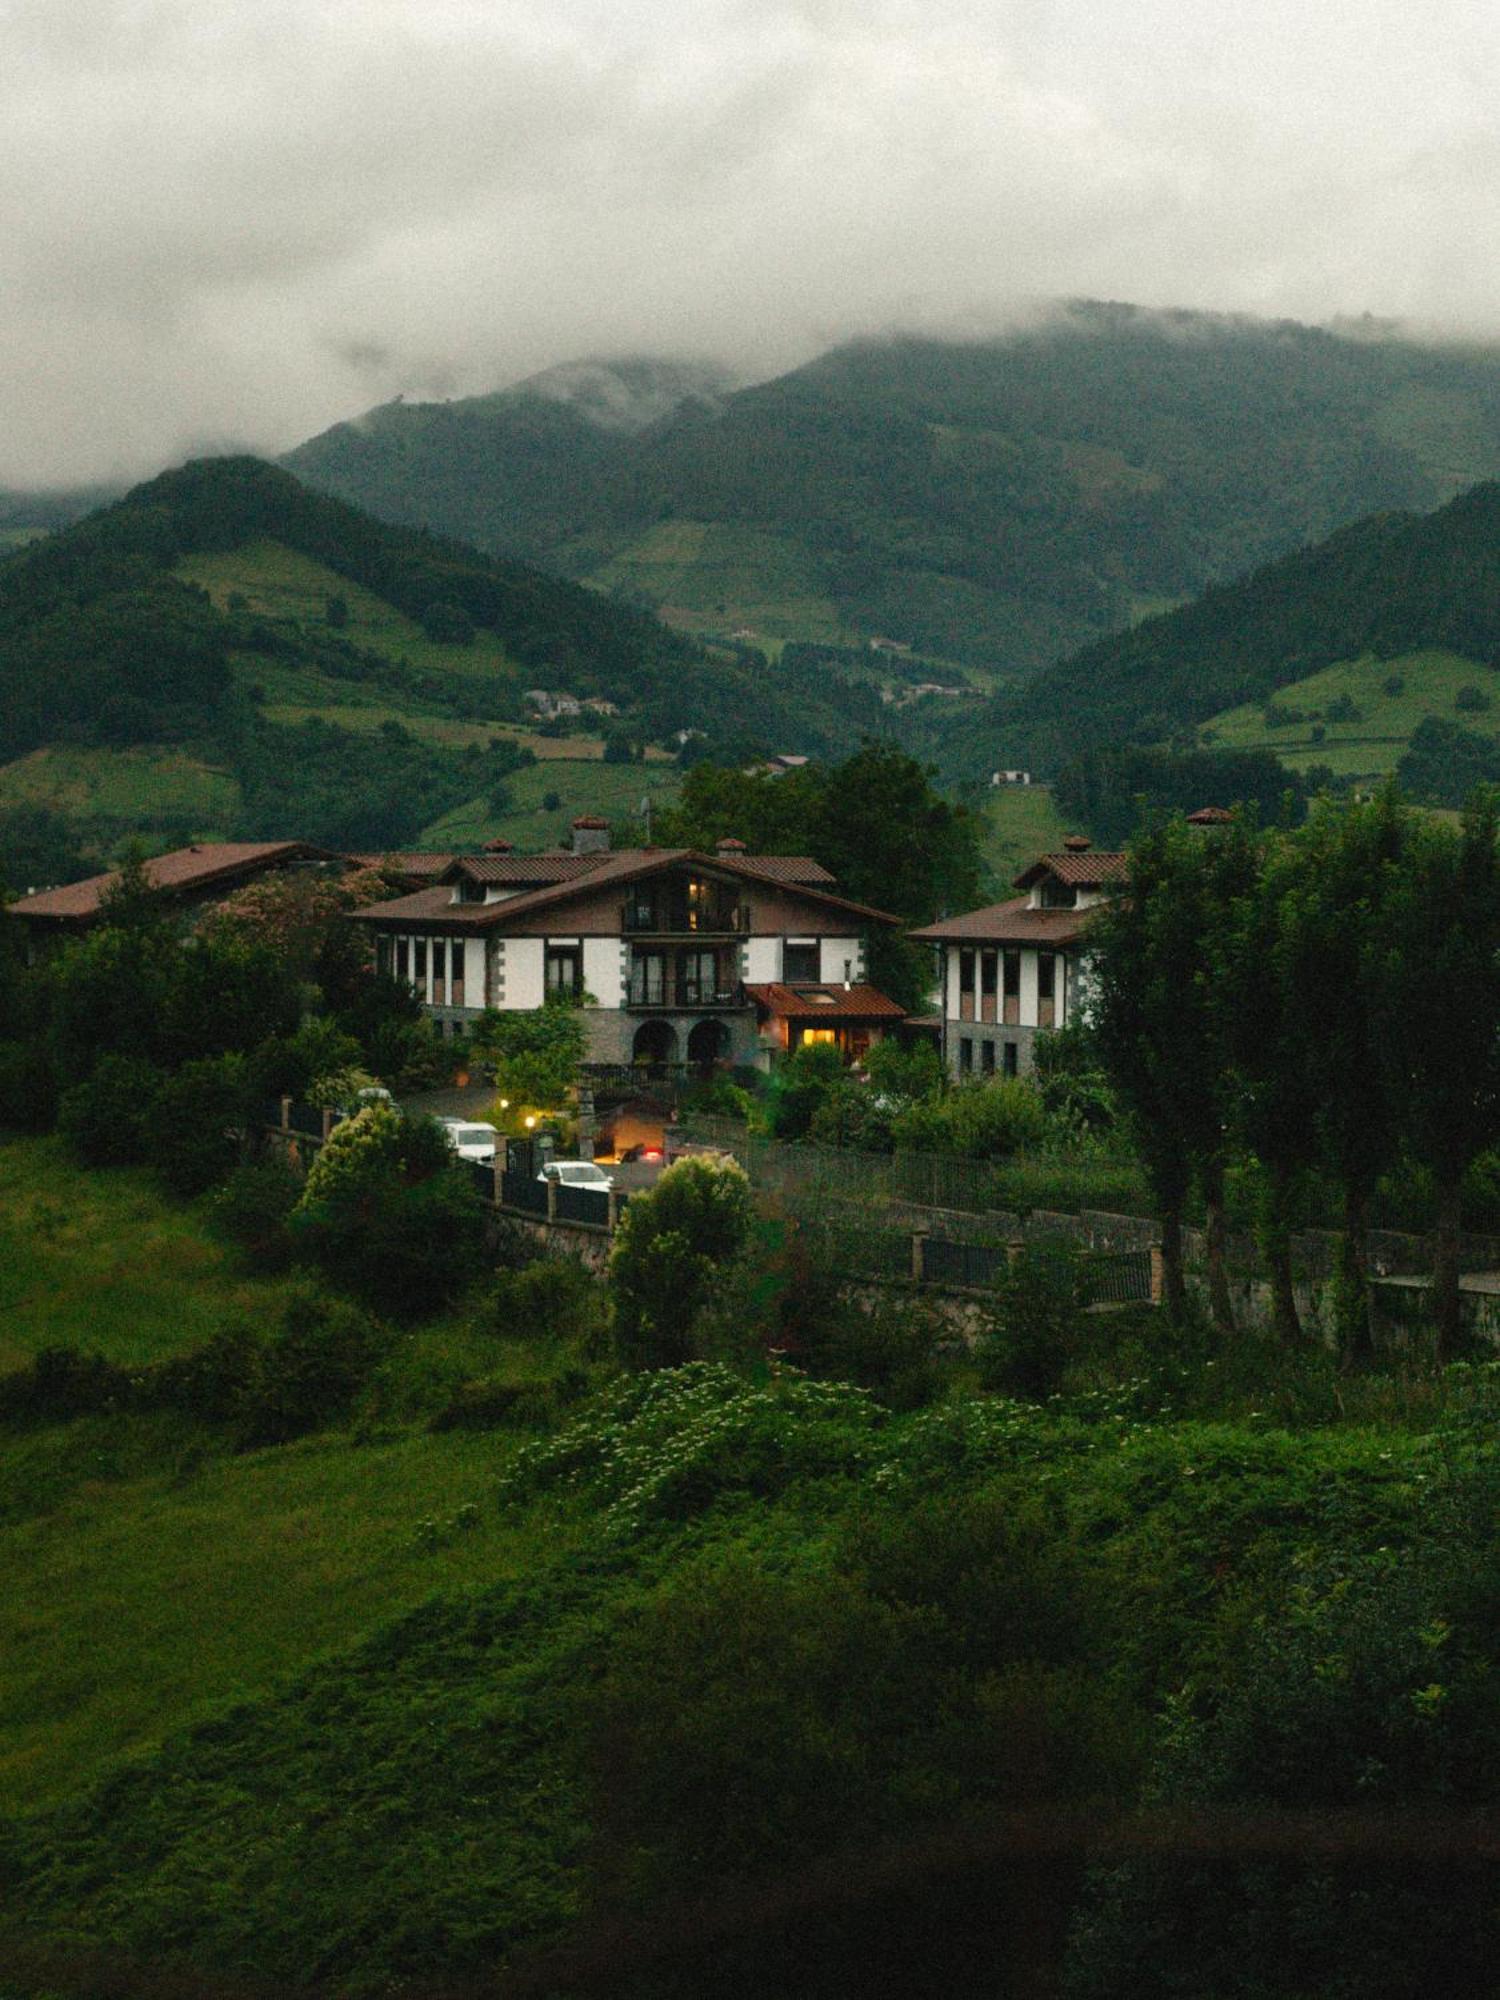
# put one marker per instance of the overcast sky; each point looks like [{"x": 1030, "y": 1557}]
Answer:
[{"x": 241, "y": 220}]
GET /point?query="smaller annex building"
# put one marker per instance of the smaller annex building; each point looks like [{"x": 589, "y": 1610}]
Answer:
[
  {"x": 192, "y": 878},
  {"x": 1016, "y": 969}
]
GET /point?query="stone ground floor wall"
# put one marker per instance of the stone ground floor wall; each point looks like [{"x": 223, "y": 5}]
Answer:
[
  {"x": 980, "y": 1032},
  {"x": 612, "y": 1032}
]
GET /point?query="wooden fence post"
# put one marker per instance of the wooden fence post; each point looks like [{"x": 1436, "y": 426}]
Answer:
[
  {"x": 552, "y": 1201},
  {"x": 612, "y": 1220},
  {"x": 1158, "y": 1275},
  {"x": 286, "y": 1114},
  {"x": 497, "y": 1170},
  {"x": 919, "y": 1255},
  {"x": 327, "y": 1123}
]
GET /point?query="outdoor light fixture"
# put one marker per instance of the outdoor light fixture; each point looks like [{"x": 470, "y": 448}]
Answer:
[{"x": 530, "y": 1120}]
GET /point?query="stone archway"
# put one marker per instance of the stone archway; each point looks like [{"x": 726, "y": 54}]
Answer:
[
  {"x": 708, "y": 1042},
  {"x": 655, "y": 1044}
]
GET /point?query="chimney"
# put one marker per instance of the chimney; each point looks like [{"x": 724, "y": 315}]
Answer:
[
  {"x": 590, "y": 835},
  {"x": 729, "y": 847},
  {"x": 1077, "y": 843}
]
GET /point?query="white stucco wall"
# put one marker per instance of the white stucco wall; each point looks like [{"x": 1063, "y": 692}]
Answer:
[
  {"x": 474, "y": 972},
  {"x": 524, "y": 967},
  {"x": 603, "y": 970},
  {"x": 762, "y": 960},
  {"x": 833, "y": 951}
]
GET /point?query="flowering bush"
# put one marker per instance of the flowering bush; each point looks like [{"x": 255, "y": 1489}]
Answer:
[
  {"x": 673, "y": 1243},
  {"x": 668, "y": 1445}
]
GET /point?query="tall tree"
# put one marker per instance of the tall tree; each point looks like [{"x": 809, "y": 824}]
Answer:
[
  {"x": 1160, "y": 1025},
  {"x": 1435, "y": 970},
  {"x": 1329, "y": 924}
]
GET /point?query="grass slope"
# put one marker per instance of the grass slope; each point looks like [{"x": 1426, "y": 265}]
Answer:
[
  {"x": 1020, "y": 821},
  {"x": 1372, "y": 745},
  {"x": 152, "y": 1578},
  {"x": 582, "y": 785}
]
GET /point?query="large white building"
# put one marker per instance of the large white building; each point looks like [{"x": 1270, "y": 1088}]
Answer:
[{"x": 685, "y": 957}]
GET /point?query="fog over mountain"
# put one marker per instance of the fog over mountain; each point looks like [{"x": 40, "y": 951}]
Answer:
[{"x": 240, "y": 224}]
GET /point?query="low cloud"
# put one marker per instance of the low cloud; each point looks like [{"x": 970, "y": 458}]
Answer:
[{"x": 249, "y": 222}]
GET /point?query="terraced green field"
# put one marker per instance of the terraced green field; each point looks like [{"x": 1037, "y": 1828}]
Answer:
[
  {"x": 117, "y": 793},
  {"x": 1392, "y": 697}
]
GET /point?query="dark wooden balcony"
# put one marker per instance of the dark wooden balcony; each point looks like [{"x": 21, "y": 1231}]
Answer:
[
  {"x": 680, "y": 917},
  {"x": 683, "y": 996}
]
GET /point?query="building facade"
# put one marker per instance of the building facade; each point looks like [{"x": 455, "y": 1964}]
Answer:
[
  {"x": 672, "y": 950},
  {"x": 1018, "y": 969}
]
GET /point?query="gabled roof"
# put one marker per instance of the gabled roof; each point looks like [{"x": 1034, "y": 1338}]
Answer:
[
  {"x": 610, "y": 870},
  {"x": 799, "y": 869},
  {"x": 1080, "y": 868},
  {"x": 209, "y": 864},
  {"x": 419, "y": 867},
  {"x": 537, "y": 870},
  {"x": 833, "y": 1002},
  {"x": 1014, "y": 922}
]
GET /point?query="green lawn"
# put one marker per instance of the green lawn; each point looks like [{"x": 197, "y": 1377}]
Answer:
[
  {"x": 103, "y": 1261},
  {"x": 1373, "y": 744}
]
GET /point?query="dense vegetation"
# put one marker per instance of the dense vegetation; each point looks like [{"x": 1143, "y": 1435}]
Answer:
[
  {"x": 106, "y": 644},
  {"x": 1386, "y": 587},
  {"x": 996, "y": 501}
]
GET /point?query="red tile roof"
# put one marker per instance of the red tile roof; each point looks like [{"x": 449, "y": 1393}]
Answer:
[
  {"x": 825, "y": 1003},
  {"x": 418, "y": 866},
  {"x": 210, "y": 864},
  {"x": 1085, "y": 868},
  {"x": 800, "y": 869},
  {"x": 1014, "y": 922},
  {"x": 607, "y": 869},
  {"x": 535, "y": 869}
]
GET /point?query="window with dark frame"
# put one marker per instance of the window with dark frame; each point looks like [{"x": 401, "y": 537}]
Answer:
[
  {"x": 966, "y": 985},
  {"x": 988, "y": 971},
  {"x": 966, "y": 1055},
  {"x": 799, "y": 961},
  {"x": 565, "y": 969},
  {"x": 419, "y": 965},
  {"x": 987, "y": 1056},
  {"x": 1011, "y": 1012},
  {"x": 439, "y": 972},
  {"x": 1010, "y": 1059}
]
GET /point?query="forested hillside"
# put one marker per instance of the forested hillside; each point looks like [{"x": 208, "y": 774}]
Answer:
[
  {"x": 226, "y": 652},
  {"x": 1389, "y": 588},
  {"x": 999, "y": 502}
]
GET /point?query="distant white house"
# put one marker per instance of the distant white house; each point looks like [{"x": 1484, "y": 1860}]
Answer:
[{"x": 1010, "y": 777}]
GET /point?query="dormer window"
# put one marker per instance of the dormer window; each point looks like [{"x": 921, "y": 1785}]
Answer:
[
  {"x": 470, "y": 891},
  {"x": 1057, "y": 894}
]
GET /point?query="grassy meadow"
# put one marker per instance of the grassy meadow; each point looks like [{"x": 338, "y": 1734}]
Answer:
[
  {"x": 152, "y": 1574},
  {"x": 1373, "y": 745},
  {"x": 582, "y": 785},
  {"x": 1020, "y": 822}
]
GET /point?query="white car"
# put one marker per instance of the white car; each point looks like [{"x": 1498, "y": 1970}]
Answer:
[
  {"x": 576, "y": 1173},
  {"x": 471, "y": 1141}
]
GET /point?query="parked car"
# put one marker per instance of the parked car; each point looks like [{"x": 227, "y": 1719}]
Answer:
[
  {"x": 470, "y": 1140},
  {"x": 576, "y": 1173}
]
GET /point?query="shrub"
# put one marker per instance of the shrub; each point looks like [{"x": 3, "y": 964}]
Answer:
[
  {"x": 799, "y": 1086},
  {"x": 61, "y": 1383},
  {"x": 447, "y": 623},
  {"x": 673, "y": 1242},
  {"x": 1039, "y": 1323},
  {"x": 110, "y": 1119},
  {"x": 201, "y": 1111},
  {"x": 552, "y": 1298},
  {"x": 28, "y": 1086},
  {"x": 1393, "y": 684},
  {"x": 1343, "y": 708},
  {"x": 1471, "y": 700},
  {"x": 851, "y": 1114},
  {"x": 980, "y": 1121},
  {"x": 311, "y": 1373},
  {"x": 886, "y": 1345},
  {"x": 252, "y": 1208}
]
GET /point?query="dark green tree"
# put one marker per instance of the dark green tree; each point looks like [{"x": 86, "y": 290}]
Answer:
[{"x": 1433, "y": 969}]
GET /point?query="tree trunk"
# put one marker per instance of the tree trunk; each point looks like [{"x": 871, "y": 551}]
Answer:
[
  {"x": 1220, "y": 1305},
  {"x": 1276, "y": 1246},
  {"x": 1174, "y": 1289},
  {"x": 1356, "y": 1325},
  {"x": 1445, "y": 1305}
]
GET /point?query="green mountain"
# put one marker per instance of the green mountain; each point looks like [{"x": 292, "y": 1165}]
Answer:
[
  {"x": 226, "y": 652},
  {"x": 997, "y": 502},
  {"x": 1408, "y": 598}
]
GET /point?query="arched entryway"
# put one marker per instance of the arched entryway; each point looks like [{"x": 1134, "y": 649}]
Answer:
[
  {"x": 655, "y": 1043},
  {"x": 708, "y": 1042}
]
